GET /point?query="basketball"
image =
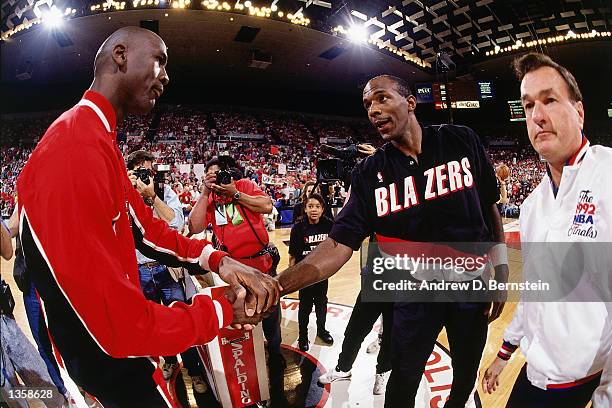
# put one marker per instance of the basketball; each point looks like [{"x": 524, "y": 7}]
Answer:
[{"x": 503, "y": 172}]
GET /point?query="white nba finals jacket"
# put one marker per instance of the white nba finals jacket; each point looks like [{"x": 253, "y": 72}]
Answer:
[{"x": 565, "y": 341}]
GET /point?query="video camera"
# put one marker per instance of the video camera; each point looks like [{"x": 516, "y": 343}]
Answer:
[{"x": 340, "y": 167}]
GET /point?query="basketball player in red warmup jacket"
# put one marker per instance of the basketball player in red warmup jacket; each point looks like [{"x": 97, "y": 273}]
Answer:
[{"x": 80, "y": 222}]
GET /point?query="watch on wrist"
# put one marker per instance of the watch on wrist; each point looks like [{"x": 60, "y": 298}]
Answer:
[{"x": 237, "y": 195}]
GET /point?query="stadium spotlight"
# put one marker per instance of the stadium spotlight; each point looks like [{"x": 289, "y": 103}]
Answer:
[
  {"x": 53, "y": 18},
  {"x": 357, "y": 33}
]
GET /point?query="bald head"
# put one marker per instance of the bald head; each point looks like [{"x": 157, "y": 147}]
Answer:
[
  {"x": 125, "y": 37},
  {"x": 130, "y": 70}
]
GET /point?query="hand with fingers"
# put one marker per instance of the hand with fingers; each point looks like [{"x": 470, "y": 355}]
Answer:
[
  {"x": 366, "y": 148},
  {"x": 490, "y": 379},
  {"x": 209, "y": 181},
  {"x": 227, "y": 190},
  {"x": 257, "y": 291},
  {"x": 240, "y": 319}
]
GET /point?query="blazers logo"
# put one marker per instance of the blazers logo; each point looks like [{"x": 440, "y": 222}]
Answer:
[
  {"x": 583, "y": 224},
  {"x": 441, "y": 180}
]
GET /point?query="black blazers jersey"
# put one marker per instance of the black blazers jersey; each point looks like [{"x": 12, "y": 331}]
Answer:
[{"x": 438, "y": 198}]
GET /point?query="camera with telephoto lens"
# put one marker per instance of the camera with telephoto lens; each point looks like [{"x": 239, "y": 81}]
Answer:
[
  {"x": 224, "y": 177},
  {"x": 143, "y": 174}
]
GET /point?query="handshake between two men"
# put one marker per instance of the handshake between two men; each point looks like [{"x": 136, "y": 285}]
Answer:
[{"x": 252, "y": 294}]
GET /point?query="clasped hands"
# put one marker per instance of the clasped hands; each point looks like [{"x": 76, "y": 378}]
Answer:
[{"x": 253, "y": 294}]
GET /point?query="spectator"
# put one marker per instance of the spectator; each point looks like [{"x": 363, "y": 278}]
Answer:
[{"x": 308, "y": 231}]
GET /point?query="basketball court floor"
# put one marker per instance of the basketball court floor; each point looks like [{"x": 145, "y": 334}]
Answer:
[{"x": 303, "y": 369}]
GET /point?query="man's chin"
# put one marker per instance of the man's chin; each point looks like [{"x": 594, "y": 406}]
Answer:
[
  {"x": 143, "y": 108},
  {"x": 387, "y": 137},
  {"x": 546, "y": 148}
]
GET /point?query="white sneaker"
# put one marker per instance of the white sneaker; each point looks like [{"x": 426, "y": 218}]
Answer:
[
  {"x": 198, "y": 384},
  {"x": 380, "y": 383},
  {"x": 334, "y": 375},
  {"x": 168, "y": 370},
  {"x": 373, "y": 347}
]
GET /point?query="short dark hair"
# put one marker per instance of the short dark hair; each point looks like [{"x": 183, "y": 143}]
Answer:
[
  {"x": 533, "y": 60},
  {"x": 401, "y": 86},
  {"x": 224, "y": 163},
  {"x": 138, "y": 157}
]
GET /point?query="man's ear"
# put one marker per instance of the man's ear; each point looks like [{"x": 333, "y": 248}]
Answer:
[
  {"x": 580, "y": 111},
  {"x": 412, "y": 102},
  {"x": 120, "y": 56}
]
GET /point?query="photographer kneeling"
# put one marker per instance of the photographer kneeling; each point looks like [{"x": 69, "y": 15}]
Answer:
[
  {"x": 158, "y": 282},
  {"x": 234, "y": 206}
]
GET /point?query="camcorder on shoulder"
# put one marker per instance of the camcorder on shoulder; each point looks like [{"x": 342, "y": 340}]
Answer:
[{"x": 340, "y": 166}]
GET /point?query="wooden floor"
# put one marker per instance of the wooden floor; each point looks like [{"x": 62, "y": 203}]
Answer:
[{"x": 343, "y": 289}]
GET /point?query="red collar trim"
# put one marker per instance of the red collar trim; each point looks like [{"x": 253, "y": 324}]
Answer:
[
  {"x": 580, "y": 153},
  {"x": 105, "y": 109}
]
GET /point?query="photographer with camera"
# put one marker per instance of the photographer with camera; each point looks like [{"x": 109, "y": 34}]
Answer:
[
  {"x": 234, "y": 206},
  {"x": 158, "y": 282},
  {"x": 140, "y": 172}
]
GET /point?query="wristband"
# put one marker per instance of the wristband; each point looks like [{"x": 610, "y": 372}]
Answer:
[
  {"x": 499, "y": 255},
  {"x": 506, "y": 350}
]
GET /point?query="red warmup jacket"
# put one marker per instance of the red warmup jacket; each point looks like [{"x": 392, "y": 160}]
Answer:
[{"x": 81, "y": 220}]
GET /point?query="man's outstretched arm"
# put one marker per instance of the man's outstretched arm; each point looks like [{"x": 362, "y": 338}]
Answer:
[{"x": 326, "y": 259}]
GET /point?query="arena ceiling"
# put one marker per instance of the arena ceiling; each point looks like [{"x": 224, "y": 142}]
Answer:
[{"x": 213, "y": 47}]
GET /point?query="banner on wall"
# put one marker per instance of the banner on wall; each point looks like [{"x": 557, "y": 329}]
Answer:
[
  {"x": 199, "y": 170},
  {"x": 184, "y": 168}
]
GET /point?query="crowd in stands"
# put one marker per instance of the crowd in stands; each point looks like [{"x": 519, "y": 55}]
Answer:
[
  {"x": 137, "y": 125},
  {"x": 235, "y": 123},
  {"x": 181, "y": 122},
  {"x": 13, "y": 160},
  {"x": 287, "y": 129},
  {"x": 187, "y": 137},
  {"x": 526, "y": 171}
]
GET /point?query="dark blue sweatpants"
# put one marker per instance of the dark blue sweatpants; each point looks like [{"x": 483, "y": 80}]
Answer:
[{"x": 415, "y": 329}]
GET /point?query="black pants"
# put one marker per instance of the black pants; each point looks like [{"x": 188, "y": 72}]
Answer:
[
  {"x": 415, "y": 329},
  {"x": 526, "y": 395},
  {"x": 359, "y": 325},
  {"x": 312, "y": 295},
  {"x": 272, "y": 331}
]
